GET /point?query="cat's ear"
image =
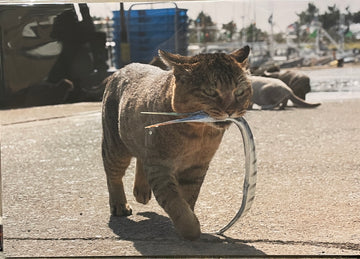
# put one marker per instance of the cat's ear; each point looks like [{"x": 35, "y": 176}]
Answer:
[
  {"x": 174, "y": 59},
  {"x": 241, "y": 55}
]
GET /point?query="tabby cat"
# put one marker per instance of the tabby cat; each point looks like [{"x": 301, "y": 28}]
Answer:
[
  {"x": 171, "y": 161},
  {"x": 298, "y": 82},
  {"x": 270, "y": 93}
]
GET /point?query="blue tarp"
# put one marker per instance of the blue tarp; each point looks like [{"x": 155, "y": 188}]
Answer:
[{"x": 150, "y": 30}]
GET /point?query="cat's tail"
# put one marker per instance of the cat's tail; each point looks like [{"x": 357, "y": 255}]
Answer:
[{"x": 297, "y": 101}]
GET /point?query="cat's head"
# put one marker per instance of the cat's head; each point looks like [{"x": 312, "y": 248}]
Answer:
[{"x": 216, "y": 83}]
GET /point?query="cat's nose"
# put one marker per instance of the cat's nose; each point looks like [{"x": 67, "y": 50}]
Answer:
[{"x": 227, "y": 100}]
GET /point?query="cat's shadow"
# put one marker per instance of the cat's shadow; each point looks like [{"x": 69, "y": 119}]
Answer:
[{"x": 154, "y": 235}]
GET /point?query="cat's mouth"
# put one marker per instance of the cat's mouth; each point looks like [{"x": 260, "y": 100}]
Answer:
[
  {"x": 222, "y": 124},
  {"x": 198, "y": 116}
]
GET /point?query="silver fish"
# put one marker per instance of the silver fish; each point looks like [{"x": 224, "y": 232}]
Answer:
[
  {"x": 249, "y": 185},
  {"x": 199, "y": 116}
]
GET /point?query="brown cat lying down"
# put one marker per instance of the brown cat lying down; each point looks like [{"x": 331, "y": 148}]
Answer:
[
  {"x": 270, "y": 93},
  {"x": 298, "y": 82},
  {"x": 171, "y": 160}
]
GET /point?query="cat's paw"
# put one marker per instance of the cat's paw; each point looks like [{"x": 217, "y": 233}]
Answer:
[
  {"x": 142, "y": 194},
  {"x": 120, "y": 210},
  {"x": 188, "y": 226}
]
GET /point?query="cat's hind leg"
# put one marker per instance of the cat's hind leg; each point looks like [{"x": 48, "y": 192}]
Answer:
[
  {"x": 166, "y": 191},
  {"x": 116, "y": 159},
  {"x": 142, "y": 190},
  {"x": 284, "y": 104},
  {"x": 115, "y": 168}
]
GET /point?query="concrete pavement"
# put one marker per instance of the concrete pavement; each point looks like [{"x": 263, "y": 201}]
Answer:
[{"x": 55, "y": 200}]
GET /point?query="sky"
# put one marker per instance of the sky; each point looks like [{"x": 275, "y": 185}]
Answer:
[{"x": 242, "y": 12}]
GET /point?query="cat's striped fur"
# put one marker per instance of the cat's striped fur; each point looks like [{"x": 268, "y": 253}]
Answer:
[{"x": 172, "y": 161}]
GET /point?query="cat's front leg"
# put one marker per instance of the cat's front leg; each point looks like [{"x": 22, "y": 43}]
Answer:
[
  {"x": 166, "y": 191},
  {"x": 190, "y": 181}
]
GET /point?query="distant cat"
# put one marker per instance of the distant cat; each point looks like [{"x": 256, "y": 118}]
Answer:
[
  {"x": 171, "y": 161},
  {"x": 298, "y": 82},
  {"x": 270, "y": 93}
]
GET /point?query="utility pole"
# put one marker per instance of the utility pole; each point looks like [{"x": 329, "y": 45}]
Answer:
[
  {"x": 243, "y": 32},
  {"x": 270, "y": 20},
  {"x": 124, "y": 43},
  {"x": 341, "y": 32},
  {"x": 317, "y": 40}
]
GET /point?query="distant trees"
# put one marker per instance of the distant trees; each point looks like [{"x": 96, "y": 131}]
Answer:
[
  {"x": 204, "y": 29},
  {"x": 332, "y": 20},
  {"x": 230, "y": 30},
  {"x": 253, "y": 33},
  {"x": 336, "y": 23},
  {"x": 307, "y": 16},
  {"x": 356, "y": 17},
  {"x": 279, "y": 37}
]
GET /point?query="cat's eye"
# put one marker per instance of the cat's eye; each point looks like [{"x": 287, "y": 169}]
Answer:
[
  {"x": 210, "y": 92},
  {"x": 239, "y": 92}
]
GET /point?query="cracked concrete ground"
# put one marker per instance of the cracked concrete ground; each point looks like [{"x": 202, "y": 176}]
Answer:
[{"x": 55, "y": 200}]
